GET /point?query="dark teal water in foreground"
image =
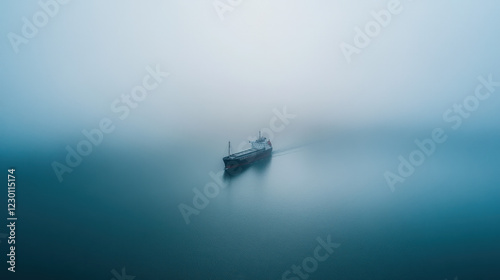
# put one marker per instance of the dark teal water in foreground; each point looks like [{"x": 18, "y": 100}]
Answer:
[{"x": 119, "y": 208}]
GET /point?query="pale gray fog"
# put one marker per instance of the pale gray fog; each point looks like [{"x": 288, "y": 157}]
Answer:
[{"x": 383, "y": 118}]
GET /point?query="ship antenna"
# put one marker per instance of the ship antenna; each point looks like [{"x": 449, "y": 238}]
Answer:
[{"x": 229, "y": 148}]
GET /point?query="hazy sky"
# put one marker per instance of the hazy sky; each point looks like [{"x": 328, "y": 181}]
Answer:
[{"x": 227, "y": 74}]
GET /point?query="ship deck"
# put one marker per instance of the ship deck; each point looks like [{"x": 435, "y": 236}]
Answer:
[{"x": 243, "y": 153}]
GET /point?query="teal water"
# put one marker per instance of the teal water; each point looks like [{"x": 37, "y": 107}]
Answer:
[{"x": 119, "y": 208}]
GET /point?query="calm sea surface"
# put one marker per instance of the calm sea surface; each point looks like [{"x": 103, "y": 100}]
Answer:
[{"x": 119, "y": 209}]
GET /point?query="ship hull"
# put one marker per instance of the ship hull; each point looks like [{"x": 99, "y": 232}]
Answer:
[{"x": 247, "y": 158}]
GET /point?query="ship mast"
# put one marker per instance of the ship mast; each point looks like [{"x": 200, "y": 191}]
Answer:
[{"x": 229, "y": 149}]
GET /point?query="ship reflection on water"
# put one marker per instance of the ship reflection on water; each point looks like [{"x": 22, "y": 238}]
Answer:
[{"x": 258, "y": 166}]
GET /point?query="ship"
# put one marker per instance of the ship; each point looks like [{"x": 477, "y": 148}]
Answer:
[{"x": 261, "y": 149}]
